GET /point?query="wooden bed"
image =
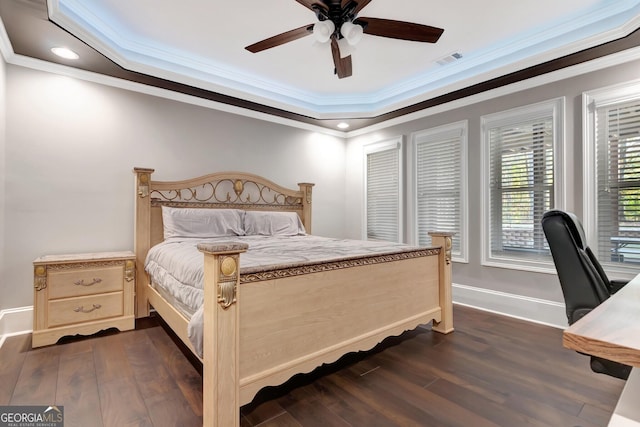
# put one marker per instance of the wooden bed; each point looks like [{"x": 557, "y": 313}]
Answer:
[{"x": 262, "y": 328}]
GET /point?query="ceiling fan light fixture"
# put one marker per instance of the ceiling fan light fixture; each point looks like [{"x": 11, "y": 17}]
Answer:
[
  {"x": 352, "y": 32},
  {"x": 323, "y": 30}
]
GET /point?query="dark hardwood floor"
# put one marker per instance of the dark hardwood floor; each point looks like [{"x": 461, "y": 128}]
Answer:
[{"x": 492, "y": 371}]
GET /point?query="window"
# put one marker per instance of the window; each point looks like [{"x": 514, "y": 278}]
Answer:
[
  {"x": 438, "y": 186},
  {"x": 383, "y": 190},
  {"x": 612, "y": 150},
  {"x": 522, "y": 150}
]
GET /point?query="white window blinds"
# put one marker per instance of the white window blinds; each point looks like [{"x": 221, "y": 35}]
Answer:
[
  {"x": 521, "y": 178},
  {"x": 618, "y": 182},
  {"x": 440, "y": 184},
  {"x": 383, "y": 192},
  {"x": 521, "y": 185}
]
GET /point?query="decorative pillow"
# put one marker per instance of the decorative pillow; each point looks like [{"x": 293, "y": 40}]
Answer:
[
  {"x": 205, "y": 223},
  {"x": 272, "y": 223}
]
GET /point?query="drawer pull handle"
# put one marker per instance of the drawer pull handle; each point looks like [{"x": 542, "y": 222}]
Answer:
[
  {"x": 82, "y": 310},
  {"x": 81, "y": 282}
]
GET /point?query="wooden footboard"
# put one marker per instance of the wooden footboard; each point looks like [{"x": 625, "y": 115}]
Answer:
[{"x": 255, "y": 336}]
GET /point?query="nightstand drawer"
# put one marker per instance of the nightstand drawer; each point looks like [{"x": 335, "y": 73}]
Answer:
[
  {"x": 84, "y": 309},
  {"x": 85, "y": 281}
]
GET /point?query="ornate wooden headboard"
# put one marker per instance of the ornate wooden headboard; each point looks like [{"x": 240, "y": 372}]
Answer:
[{"x": 221, "y": 190}]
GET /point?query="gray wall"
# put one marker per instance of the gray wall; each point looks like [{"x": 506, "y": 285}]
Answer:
[
  {"x": 528, "y": 284},
  {"x": 71, "y": 146}
]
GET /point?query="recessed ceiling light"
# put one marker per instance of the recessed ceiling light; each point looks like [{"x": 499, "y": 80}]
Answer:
[
  {"x": 64, "y": 52},
  {"x": 343, "y": 125}
]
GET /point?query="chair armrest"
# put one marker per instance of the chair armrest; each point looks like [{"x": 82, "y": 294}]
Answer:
[{"x": 617, "y": 284}]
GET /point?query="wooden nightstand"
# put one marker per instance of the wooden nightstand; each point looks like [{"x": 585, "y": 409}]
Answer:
[{"x": 82, "y": 294}]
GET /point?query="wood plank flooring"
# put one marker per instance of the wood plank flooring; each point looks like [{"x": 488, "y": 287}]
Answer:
[{"x": 492, "y": 371}]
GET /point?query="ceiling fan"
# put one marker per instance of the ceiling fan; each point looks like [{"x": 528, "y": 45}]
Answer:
[{"x": 338, "y": 19}]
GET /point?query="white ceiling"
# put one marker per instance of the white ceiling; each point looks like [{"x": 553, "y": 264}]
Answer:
[{"x": 201, "y": 43}]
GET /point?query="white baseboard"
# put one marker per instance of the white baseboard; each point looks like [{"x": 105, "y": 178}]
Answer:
[
  {"x": 536, "y": 310},
  {"x": 15, "y": 321}
]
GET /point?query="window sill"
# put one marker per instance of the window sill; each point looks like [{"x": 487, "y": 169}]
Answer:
[{"x": 511, "y": 264}]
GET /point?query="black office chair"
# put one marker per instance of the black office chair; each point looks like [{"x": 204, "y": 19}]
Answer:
[{"x": 583, "y": 280}]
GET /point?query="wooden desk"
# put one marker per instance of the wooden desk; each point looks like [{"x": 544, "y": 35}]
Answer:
[{"x": 612, "y": 331}]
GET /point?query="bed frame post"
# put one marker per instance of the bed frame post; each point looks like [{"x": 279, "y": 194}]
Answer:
[
  {"x": 142, "y": 239},
  {"x": 221, "y": 366},
  {"x": 443, "y": 240},
  {"x": 306, "y": 187}
]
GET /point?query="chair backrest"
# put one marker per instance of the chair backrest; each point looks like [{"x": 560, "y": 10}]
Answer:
[{"x": 583, "y": 280}]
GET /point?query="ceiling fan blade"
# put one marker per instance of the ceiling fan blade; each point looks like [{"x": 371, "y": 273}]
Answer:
[
  {"x": 281, "y": 39},
  {"x": 343, "y": 65},
  {"x": 400, "y": 29}
]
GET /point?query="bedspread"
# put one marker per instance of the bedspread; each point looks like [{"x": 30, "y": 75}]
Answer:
[{"x": 176, "y": 266}]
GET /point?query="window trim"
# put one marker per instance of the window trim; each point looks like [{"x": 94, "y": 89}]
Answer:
[
  {"x": 555, "y": 107},
  {"x": 374, "y": 147},
  {"x": 458, "y": 129},
  {"x": 591, "y": 100}
]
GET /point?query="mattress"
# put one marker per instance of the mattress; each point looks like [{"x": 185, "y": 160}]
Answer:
[{"x": 176, "y": 265}]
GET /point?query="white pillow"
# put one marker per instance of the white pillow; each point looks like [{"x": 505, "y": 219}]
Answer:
[
  {"x": 272, "y": 223},
  {"x": 205, "y": 223}
]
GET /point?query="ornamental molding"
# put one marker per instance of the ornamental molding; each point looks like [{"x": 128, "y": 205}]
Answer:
[
  {"x": 335, "y": 265},
  {"x": 447, "y": 252},
  {"x": 227, "y": 281},
  {"x": 88, "y": 264},
  {"x": 244, "y": 206},
  {"x": 239, "y": 192}
]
